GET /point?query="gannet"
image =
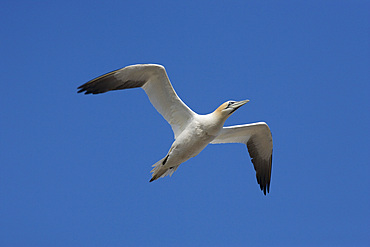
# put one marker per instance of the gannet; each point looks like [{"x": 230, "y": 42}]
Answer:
[{"x": 192, "y": 131}]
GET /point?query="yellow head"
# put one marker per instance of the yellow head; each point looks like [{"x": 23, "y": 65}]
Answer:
[{"x": 229, "y": 107}]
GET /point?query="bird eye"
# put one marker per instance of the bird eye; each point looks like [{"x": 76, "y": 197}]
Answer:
[{"x": 230, "y": 103}]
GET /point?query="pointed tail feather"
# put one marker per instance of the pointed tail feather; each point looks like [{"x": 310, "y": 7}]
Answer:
[{"x": 160, "y": 170}]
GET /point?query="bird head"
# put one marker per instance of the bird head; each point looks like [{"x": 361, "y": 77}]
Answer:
[{"x": 229, "y": 107}]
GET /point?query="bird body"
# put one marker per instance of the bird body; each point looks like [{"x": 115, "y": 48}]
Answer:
[{"x": 192, "y": 131}]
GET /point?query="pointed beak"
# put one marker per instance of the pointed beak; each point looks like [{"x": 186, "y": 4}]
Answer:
[{"x": 238, "y": 104}]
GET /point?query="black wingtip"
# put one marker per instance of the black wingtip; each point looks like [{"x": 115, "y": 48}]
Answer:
[
  {"x": 82, "y": 89},
  {"x": 265, "y": 188},
  {"x": 151, "y": 180}
]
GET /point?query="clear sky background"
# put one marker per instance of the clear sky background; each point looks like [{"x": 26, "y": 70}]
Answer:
[{"x": 75, "y": 169}]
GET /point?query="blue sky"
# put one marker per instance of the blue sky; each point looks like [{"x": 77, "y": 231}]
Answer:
[{"x": 74, "y": 169}]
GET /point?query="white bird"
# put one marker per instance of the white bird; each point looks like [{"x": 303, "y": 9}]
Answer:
[{"x": 193, "y": 132}]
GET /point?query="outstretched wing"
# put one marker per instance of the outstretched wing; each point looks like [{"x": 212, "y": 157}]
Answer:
[
  {"x": 154, "y": 80},
  {"x": 257, "y": 137}
]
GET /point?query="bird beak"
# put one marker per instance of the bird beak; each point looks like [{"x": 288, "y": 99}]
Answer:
[{"x": 238, "y": 104}]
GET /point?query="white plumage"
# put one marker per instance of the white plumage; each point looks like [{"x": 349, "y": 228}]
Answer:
[{"x": 193, "y": 132}]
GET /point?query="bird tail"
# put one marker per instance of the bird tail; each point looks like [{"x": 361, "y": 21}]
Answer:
[{"x": 160, "y": 170}]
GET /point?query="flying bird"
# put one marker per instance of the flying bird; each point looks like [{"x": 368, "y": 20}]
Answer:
[{"x": 192, "y": 131}]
